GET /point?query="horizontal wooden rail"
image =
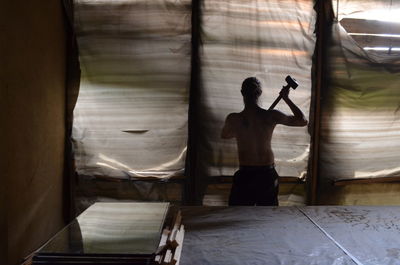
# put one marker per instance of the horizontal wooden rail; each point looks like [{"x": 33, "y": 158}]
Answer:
[
  {"x": 344, "y": 182},
  {"x": 228, "y": 179},
  {"x": 174, "y": 179}
]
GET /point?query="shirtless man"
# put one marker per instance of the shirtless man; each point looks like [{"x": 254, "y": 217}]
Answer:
[{"x": 256, "y": 182}]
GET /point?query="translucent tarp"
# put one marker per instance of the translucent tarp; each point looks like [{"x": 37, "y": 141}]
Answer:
[
  {"x": 360, "y": 124},
  {"x": 266, "y": 39},
  {"x": 131, "y": 118}
]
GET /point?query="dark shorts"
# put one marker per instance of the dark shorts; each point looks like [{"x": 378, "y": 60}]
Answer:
[{"x": 255, "y": 185}]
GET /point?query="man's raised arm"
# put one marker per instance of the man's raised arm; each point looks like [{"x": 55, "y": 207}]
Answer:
[{"x": 298, "y": 118}]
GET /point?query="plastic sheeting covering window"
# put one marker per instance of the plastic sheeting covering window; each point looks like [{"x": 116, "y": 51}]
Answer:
[
  {"x": 360, "y": 129},
  {"x": 266, "y": 39},
  {"x": 131, "y": 115}
]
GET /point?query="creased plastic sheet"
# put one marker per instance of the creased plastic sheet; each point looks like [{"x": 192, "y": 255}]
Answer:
[
  {"x": 266, "y": 39},
  {"x": 370, "y": 234},
  {"x": 360, "y": 124},
  {"x": 267, "y": 235},
  {"x": 255, "y": 235},
  {"x": 131, "y": 115}
]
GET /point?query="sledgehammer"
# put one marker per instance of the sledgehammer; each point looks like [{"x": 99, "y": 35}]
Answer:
[{"x": 291, "y": 82}]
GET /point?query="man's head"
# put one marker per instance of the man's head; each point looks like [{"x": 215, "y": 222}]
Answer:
[{"x": 251, "y": 90}]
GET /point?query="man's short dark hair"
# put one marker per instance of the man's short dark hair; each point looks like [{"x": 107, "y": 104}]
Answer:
[{"x": 251, "y": 89}]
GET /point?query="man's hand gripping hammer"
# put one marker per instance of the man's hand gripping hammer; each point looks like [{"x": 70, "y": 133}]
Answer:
[{"x": 291, "y": 83}]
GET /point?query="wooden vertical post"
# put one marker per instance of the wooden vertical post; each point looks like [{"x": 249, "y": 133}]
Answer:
[
  {"x": 191, "y": 194},
  {"x": 73, "y": 76},
  {"x": 324, "y": 18}
]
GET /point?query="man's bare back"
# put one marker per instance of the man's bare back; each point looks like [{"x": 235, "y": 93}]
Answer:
[
  {"x": 253, "y": 128},
  {"x": 256, "y": 182}
]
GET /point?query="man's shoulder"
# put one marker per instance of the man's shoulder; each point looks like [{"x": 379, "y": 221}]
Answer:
[
  {"x": 233, "y": 115},
  {"x": 271, "y": 115},
  {"x": 271, "y": 112},
  {"x": 234, "y": 118},
  {"x": 267, "y": 112}
]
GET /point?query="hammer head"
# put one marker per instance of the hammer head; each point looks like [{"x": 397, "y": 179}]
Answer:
[{"x": 291, "y": 82}]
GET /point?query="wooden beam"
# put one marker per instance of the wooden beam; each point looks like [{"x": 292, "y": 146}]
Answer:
[
  {"x": 376, "y": 41},
  {"x": 72, "y": 84},
  {"x": 191, "y": 194},
  {"x": 325, "y": 17},
  {"x": 174, "y": 179},
  {"x": 345, "y": 182},
  {"x": 178, "y": 251},
  {"x": 353, "y": 25},
  {"x": 229, "y": 179}
]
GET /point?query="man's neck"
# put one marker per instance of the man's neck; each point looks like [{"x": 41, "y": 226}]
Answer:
[{"x": 251, "y": 106}]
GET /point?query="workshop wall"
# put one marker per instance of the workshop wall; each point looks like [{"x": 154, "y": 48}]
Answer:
[{"x": 33, "y": 109}]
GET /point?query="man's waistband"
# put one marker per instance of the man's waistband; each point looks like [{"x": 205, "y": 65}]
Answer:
[{"x": 272, "y": 166}]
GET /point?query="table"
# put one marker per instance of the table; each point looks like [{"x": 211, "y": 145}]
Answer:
[{"x": 291, "y": 235}]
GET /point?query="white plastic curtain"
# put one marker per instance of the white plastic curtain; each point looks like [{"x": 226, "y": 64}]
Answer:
[
  {"x": 360, "y": 132},
  {"x": 265, "y": 39},
  {"x": 131, "y": 118}
]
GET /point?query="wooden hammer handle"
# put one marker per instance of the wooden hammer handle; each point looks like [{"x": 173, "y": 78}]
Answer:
[
  {"x": 278, "y": 98},
  {"x": 275, "y": 102}
]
